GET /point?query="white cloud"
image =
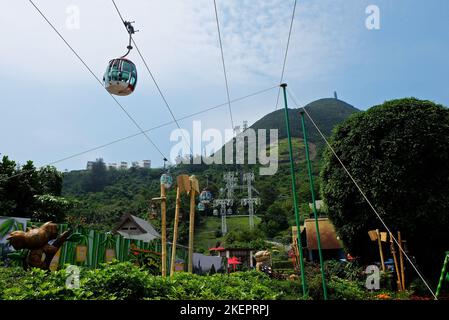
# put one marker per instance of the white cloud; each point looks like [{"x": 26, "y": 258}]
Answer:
[
  {"x": 179, "y": 41},
  {"x": 179, "y": 38}
]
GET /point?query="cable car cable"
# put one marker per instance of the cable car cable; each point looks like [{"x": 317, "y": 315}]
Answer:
[
  {"x": 96, "y": 78},
  {"x": 285, "y": 55},
  {"x": 224, "y": 65},
  {"x": 140, "y": 133},
  {"x": 153, "y": 78}
]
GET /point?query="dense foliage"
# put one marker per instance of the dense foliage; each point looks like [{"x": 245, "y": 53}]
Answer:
[
  {"x": 33, "y": 193},
  {"x": 126, "y": 281},
  {"x": 398, "y": 152},
  {"x": 106, "y": 194}
]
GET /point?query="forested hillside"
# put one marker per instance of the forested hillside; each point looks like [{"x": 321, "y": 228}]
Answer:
[{"x": 105, "y": 195}]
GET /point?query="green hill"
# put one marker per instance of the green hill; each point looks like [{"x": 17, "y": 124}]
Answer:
[
  {"x": 104, "y": 195},
  {"x": 326, "y": 113}
]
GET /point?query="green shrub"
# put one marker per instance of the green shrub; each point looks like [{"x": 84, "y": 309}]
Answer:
[
  {"x": 314, "y": 286},
  {"x": 124, "y": 281},
  {"x": 344, "y": 270},
  {"x": 115, "y": 281},
  {"x": 342, "y": 289},
  {"x": 37, "y": 285},
  {"x": 282, "y": 264}
]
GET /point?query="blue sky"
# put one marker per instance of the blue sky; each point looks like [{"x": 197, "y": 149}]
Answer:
[{"x": 51, "y": 107}]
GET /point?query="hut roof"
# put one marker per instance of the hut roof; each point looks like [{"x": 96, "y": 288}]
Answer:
[
  {"x": 147, "y": 229},
  {"x": 329, "y": 239}
]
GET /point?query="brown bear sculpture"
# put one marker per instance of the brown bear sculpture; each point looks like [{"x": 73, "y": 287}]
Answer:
[{"x": 36, "y": 240}]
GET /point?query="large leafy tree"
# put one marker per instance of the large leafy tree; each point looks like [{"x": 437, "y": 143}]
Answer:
[
  {"x": 29, "y": 192},
  {"x": 96, "y": 180},
  {"x": 398, "y": 152}
]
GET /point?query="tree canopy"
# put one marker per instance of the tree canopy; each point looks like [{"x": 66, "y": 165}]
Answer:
[
  {"x": 29, "y": 192},
  {"x": 398, "y": 152}
]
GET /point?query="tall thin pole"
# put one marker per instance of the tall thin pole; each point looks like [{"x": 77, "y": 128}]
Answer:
[
  {"x": 295, "y": 197},
  {"x": 191, "y": 228},
  {"x": 443, "y": 274},
  {"x": 312, "y": 192},
  {"x": 175, "y": 232},
  {"x": 164, "y": 230},
  {"x": 396, "y": 267},
  {"x": 401, "y": 260},
  {"x": 381, "y": 253}
]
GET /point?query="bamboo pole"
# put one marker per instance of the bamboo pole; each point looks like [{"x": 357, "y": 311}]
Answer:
[
  {"x": 294, "y": 194},
  {"x": 396, "y": 268},
  {"x": 443, "y": 274},
  {"x": 315, "y": 214},
  {"x": 164, "y": 231},
  {"x": 175, "y": 232},
  {"x": 379, "y": 242},
  {"x": 401, "y": 260},
  {"x": 191, "y": 228}
]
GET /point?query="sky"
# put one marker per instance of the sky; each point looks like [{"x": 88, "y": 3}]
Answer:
[{"x": 51, "y": 107}]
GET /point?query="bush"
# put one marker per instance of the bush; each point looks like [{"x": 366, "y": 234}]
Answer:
[
  {"x": 345, "y": 270},
  {"x": 116, "y": 281},
  {"x": 125, "y": 281},
  {"x": 342, "y": 289},
  {"x": 282, "y": 264},
  {"x": 36, "y": 285}
]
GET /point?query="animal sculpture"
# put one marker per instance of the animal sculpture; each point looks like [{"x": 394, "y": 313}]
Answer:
[{"x": 39, "y": 243}]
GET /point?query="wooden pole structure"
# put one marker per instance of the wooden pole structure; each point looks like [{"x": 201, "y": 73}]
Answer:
[
  {"x": 379, "y": 242},
  {"x": 193, "y": 191},
  {"x": 393, "y": 253},
  {"x": 401, "y": 260},
  {"x": 164, "y": 230},
  {"x": 175, "y": 232}
]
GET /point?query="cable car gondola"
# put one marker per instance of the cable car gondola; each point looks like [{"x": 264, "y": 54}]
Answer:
[{"x": 120, "y": 77}]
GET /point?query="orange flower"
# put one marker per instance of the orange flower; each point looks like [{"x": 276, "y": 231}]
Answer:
[{"x": 383, "y": 296}]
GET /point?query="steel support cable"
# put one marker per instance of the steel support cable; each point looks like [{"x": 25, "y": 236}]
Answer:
[
  {"x": 154, "y": 80},
  {"x": 224, "y": 65},
  {"x": 362, "y": 193},
  {"x": 286, "y": 53},
  {"x": 98, "y": 80},
  {"x": 147, "y": 130}
]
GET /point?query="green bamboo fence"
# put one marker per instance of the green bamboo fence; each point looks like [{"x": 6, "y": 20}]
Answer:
[{"x": 98, "y": 242}]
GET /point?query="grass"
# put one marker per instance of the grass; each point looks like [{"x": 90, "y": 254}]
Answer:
[{"x": 205, "y": 236}]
